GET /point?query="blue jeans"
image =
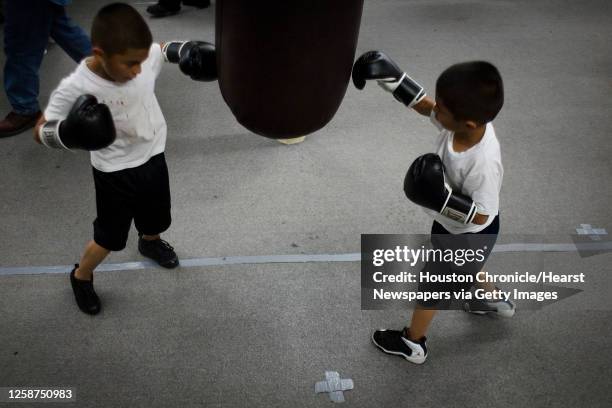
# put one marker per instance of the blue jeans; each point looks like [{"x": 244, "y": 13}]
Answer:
[{"x": 28, "y": 26}]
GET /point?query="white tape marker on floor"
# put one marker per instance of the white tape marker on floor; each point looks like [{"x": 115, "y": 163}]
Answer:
[{"x": 270, "y": 259}]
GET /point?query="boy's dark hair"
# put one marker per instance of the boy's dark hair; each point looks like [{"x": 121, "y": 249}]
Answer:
[
  {"x": 118, "y": 27},
  {"x": 471, "y": 91}
]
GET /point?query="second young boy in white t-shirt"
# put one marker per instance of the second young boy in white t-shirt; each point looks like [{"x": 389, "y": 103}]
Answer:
[{"x": 458, "y": 186}]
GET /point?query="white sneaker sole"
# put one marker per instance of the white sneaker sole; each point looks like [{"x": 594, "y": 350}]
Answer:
[{"x": 504, "y": 312}]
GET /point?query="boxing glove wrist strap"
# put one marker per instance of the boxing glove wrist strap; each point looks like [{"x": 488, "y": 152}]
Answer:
[
  {"x": 172, "y": 51},
  {"x": 459, "y": 207},
  {"x": 408, "y": 91},
  {"x": 49, "y": 135}
]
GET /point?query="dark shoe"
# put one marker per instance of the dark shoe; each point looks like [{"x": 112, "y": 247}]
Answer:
[
  {"x": 15, "y": 123},
  {"x": 398, "y": 343},
  {"x": 157, "y": 10},
  {"x": 85, "y": 294},
  {"x": 197, "y": 3},
  {"x": 160, "y": 251}
]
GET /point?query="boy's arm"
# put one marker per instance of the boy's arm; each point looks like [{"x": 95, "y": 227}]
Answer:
[
  {"x": 425, "y": 106},
  {"x": 485, "y": 185},
  {"x": 59, "y": 105},
  {"x": 480, "y": 219},
  {"x": 37, "y": 128}
]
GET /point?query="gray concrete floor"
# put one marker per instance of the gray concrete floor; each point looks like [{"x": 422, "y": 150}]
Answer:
[{"x": 262, "y": 335}]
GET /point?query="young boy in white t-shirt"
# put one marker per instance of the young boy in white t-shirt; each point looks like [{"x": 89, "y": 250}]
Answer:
[
  {"x": 130, "y": 174},
  {"x": 458, "y": 186}
]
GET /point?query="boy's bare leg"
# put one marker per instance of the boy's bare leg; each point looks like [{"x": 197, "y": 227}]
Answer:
[
  {"x": 421, "y": 319},
  {"x": 487, "y": 286},
  {"x": 92, "y": 257},
  {"x": 150, "y": 237}
]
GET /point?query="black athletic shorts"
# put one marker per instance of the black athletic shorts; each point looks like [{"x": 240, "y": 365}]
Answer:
[
  {"x": 442, "y": 239},
  {"x": 141, "y": 193}
]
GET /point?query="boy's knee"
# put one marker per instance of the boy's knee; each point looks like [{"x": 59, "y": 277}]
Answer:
[{"x": 109, "y": 243}]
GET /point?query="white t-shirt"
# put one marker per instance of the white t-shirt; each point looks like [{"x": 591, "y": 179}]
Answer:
[
  {"x": 139, "y": 122},
  {"x": 476, "y": 172}
]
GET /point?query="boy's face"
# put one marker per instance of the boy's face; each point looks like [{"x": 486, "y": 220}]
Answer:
[
  {"x": 121, "y": 67},
  {"x": 448, "y": 121}
]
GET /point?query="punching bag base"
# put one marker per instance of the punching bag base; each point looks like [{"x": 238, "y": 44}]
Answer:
[{"x": 292, "y": 140}]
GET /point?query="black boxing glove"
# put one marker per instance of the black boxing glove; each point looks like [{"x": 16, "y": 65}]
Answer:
[
  {"x": 377, "y": 65},
  {"x": 197, "y": 59},
  {"x": 88, "y": 126},
  {"x": 426, "y": 186}
]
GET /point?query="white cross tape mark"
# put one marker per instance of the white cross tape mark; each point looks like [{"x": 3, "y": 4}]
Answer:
[
  {"x": 594, "y": 233},
  {"x": 334, "y": 385}
]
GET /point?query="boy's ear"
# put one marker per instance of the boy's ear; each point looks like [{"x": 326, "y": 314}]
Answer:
[
  {"x": 98, "y": 52},
  {"x": 470, "y": 124}
]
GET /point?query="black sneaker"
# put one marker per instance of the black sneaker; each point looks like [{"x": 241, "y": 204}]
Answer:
[
  {"x": 197, "y": 3},
  {"x": 396, "y": 342},
  {"x": 160, "y": 251},
  {"x": 84, "y": 293},
  {"x": 157, "y": 10}
]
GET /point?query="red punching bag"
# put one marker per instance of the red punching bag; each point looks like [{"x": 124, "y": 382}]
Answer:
[{"x": 284, "y": 65}]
